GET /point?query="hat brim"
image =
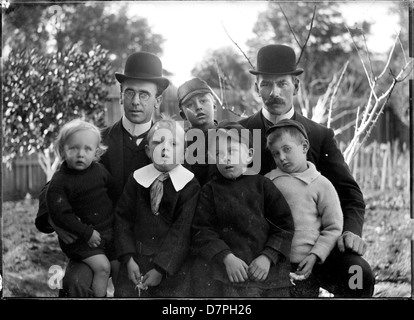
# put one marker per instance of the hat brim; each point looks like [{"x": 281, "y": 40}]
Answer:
[
  {"x": 160, "y": 81},
  {"x": 192, "y": 94},
  {"x": 295, "y": 72},
  {"x": 277, "y": 126}
]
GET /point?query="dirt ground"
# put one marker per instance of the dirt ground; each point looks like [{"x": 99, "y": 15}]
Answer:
[{"x": 28, "y": 254}]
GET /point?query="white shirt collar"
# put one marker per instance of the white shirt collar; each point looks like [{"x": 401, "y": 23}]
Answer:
[
  {"x": 179, "y": 176},
  {"x": 133, "y": 128},
  {"x": 275, "y": 119},
  {"x": 307, "y": 176}
]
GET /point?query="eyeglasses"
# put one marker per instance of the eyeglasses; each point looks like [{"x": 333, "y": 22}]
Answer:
[{"x": 130, "y": 94}]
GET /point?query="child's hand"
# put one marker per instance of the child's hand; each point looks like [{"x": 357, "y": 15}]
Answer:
[
  {"x": 259, "y": 268},
  {"x": 95, "y": 239},
  {"x": 134, "y": 274},
  {"x": 236, "y": 268},
  {"x": 152, "y": 278},
  {"x": 306, "y": 265}
]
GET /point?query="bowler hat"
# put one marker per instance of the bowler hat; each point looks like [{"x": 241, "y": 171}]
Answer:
[
  {"x": 143, "y": 66},
  {"x": 276, "y": 59},
  {"x": 288, "y": 123},
  {"x": 191, "y": 88}
]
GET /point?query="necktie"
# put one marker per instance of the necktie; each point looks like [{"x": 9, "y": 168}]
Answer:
[
  {"x": 137, "y": 139},
  {"x": 156, "y": 192}
]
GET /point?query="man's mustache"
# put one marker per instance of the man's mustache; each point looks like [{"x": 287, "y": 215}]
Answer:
[{"x": 272, "y": 100}]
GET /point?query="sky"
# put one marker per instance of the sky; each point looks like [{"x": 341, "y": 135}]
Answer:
[{"x": 193, "y": 27}]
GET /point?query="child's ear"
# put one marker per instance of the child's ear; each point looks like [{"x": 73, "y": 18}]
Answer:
[
  {"x": 182, "y": 114},
  {"x": 305, "y": 146},
  {"x": 250, "y": 156},
  {"x": 148, "y": 151}
]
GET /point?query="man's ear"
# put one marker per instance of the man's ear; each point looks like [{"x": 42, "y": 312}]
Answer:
[
  {"x": 296, "y": 83},
  {"x": 158, "y": 101},
  {"x": 257, "y": 88},
  {"x": 121, "y": 101}
]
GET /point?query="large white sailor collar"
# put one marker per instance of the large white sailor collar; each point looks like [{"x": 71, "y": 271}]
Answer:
[{"x": 179, "y": 176}]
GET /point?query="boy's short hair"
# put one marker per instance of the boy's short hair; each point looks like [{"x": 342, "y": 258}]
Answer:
[
  {"x": 294, "y": 128},
  {"x": 236, "y": 131},
  {"x": 191, "y": 88},
  {"x": 165, "y": 122},
  {"x": 72, "y": 127}
]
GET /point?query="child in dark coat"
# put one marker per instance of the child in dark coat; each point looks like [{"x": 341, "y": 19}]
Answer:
[
  {"x": 243, "y": 225},
  {"x": 153, "y": 218},
  {"x": 80, "y": 201}
]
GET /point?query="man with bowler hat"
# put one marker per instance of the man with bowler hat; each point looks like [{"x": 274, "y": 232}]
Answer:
[
  {"x": 344, "y": 273},
  {"x": 141, "y": 88}
]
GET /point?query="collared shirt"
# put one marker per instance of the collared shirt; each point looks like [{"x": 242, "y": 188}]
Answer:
[
  {"x": 135, "y": 129},
  {"x": 307, "y": 176},
  {"x": 179, "y": 176},
  {"x": 274, "y": 118}
]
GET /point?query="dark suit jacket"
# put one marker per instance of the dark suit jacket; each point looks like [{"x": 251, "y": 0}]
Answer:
[
  {"x": 113, "y": 158},
  {"x": 328, "y": 159},
  {"x": 164, "y": 237}
]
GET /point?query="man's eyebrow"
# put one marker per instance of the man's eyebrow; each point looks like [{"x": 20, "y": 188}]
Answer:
[{"x": 143, "y": 91}]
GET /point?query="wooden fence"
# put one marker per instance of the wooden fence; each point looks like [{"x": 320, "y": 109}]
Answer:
[
  {"x": 377, "y": 167},
  {"x": 382, "y": 166},
  {"x": 26, "y": 176}
]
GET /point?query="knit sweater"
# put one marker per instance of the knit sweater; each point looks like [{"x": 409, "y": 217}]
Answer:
[
  {"x": 79, "y": 201},
  {"x": 316, "y": 211},
  {"x": 248, "y": 217}
]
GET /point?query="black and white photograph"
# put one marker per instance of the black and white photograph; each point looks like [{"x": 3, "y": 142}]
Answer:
[{"x": 198, "y": 150}]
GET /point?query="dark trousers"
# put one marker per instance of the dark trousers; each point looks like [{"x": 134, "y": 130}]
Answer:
[
  {"x": 77, "y": 282},
  {"x": 345, "y": 275}
]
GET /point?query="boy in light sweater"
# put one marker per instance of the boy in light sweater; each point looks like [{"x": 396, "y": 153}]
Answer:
[{"x": 313, "y": 200}]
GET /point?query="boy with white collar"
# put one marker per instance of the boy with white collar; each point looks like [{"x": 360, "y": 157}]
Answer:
[{"x": 152, "y": 227}]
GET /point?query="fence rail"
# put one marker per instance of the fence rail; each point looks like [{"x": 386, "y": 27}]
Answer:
[
  {"x": 26, "y": 176},
  {"x": 382, "y": 166},
  {"x": 378, "y": 167}
]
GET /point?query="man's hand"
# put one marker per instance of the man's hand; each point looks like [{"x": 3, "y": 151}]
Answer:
[
  {"x": 259, "y": 268},
  {"x": 152, "y": 278},
  {"x": 134, "y": 274},
  {"x": 351, "y": 241},
  {"x": 65, "y": 236},
  {"x": 236, "y": 268}
]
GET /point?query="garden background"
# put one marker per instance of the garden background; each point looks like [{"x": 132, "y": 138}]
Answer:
[{"x": 59, "y": 62}]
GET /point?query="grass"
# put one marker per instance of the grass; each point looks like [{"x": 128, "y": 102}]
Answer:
[{"x": 28, "y": 254}]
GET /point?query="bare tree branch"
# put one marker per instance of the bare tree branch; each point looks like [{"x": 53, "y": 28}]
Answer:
[
  {"x": 390, "y": 55},
  {"x": 368, "y": 54},
  {"x": 302, "y": 47},
  {"x": 248, "y": 60},
  {"x": 334, "y": 94}
]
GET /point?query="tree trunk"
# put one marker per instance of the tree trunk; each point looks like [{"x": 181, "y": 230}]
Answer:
[{"x": 47, "y": 162}]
